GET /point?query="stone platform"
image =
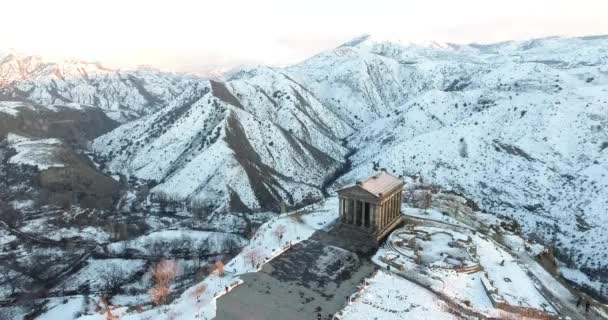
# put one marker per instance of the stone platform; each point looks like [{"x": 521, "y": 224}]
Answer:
[{"x": 315, "y": 276}]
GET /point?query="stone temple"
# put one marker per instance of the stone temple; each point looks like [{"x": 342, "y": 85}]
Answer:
[{"x": 371, "y": 207}]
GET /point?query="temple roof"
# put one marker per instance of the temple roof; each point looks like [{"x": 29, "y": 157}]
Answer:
[{"x": 379, "y": 184}]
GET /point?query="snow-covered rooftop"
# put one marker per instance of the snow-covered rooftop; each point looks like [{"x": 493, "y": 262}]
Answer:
[{"x": 380, "y": 184}]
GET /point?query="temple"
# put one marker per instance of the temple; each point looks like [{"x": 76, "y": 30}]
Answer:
[{"x": 372, "y": 206}]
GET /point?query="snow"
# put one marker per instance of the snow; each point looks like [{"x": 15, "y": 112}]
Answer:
[
  {"x": 11, "y": 107},
  {"x": 579, "y": 278},
  {"x": 6, "y": 237},
  {"x": 196, "y": 241},
  {"x": 122, "y": 94},
  {"x": 199, "y": 154},
  {"x": 42, "y": 153},
  {"x": 41, "y": 226},
  {"x": 522, "y": 136},
  {"x": 97, "y": 271},
  {"x": 265, "y": 243},
  {"x": 500, "y": 270},
  {"x": 57, "y": 309},
  {"x": 388, "y": 297},
  {"x": 517, "y": 127},
  {"x": 510, "y": 279}
]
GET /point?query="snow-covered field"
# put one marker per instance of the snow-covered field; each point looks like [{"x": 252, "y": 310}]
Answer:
[
  {"x": 11, "y": 107},
  {"x": 97, "y": 273},
  {"x": 501, "y": 271},
  {"x": 41, "y": 153},
  {"x": 190, "y": 241},
  {"x": 63, "y": 308},
  {"x": 388, "y": 297}
]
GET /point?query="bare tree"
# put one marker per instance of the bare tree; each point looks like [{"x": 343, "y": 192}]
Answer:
[
  {"x": 253, "y": 256},
  {"x": 219, "y": 266},
  {"x": 164, "y": 274},
  {"x": 279, "y": 232},
  {"x": 427, "y": 201},
  {"x": 111, "y": 280},
  {"x": 106, "y": 308}
]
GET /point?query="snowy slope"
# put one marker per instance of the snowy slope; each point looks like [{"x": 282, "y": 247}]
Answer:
[
  {"x": 123, "y": 95},
  {"x": 518, "y": 127},
  {"x": 43, "y": 153},
  {"x": 209, "y": 146}
]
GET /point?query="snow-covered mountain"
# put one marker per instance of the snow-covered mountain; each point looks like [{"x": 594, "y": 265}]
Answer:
[
  {"x": 123, "y": 95},
  {"x": 248, "y": 144},
  {"x": 517, "y": 127}
]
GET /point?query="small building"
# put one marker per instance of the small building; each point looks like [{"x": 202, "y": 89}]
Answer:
[{"x": 372, "y": 206}]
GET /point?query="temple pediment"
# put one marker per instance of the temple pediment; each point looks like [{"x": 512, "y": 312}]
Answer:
[{"x": 358, "y": 193}]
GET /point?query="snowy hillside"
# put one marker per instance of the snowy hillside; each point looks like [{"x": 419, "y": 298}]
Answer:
[
  {"x": 232, "y": 154},
  {"x": 42, "y": 154},
  {"x": 518, "y": 127},
  {"x": 123, "y": 95}
]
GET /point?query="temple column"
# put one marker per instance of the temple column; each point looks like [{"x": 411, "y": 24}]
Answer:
[
  {"x": 357, "y": 213},
  {"x": 369, "y": 215},
  {"x": 397, "y": 207},
  {"x": 341, "y": 209},
  {"x": 383, "y": 214},
  {"x": 392, "y": 208},
  {"x": 351, "y": 213},
  {"x": 396, "y": 204},
  {"x": 364, "y": 214},
  {"x": 372, "y": 216},
  {"x": 399, "y": 202},
  {"x": 388, "y": 213},
  {"x": 379, "y": 223},
  {"x": 345, "y": 213},
  {"x": 393, "y": 198},
  {"x": 389, "y": 216},
  {"x": 354, "y": 211}
]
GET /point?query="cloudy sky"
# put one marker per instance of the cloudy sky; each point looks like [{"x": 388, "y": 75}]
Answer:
[{"x": 189, "y": 35}]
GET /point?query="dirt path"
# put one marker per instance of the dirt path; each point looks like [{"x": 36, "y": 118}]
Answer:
[{"x": 563, "y": 299}]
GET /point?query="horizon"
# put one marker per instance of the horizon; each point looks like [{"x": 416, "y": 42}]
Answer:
[
  {"x": 199, "y": 37},
  {"x": 220, "y": 69}
]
